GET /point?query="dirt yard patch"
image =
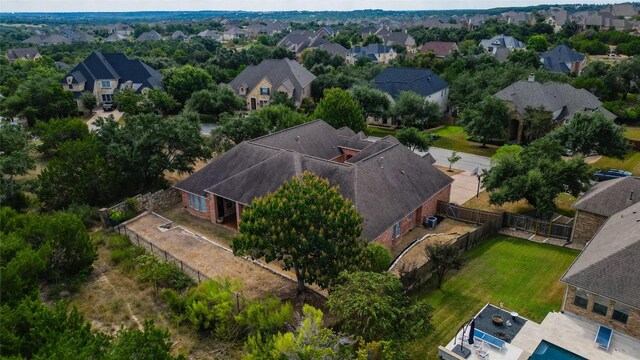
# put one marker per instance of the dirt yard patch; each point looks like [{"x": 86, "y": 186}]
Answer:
[
  {"x": 416, "y": 256},
  {"x": 214, "y": 232},
  {"x": 446, "y": 226},
  {"x": 111, "y": 299},
  {"x": 212, "y": 259}
]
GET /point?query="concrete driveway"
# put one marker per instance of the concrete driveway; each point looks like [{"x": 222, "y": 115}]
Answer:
[{"x": 117, "y": 114}]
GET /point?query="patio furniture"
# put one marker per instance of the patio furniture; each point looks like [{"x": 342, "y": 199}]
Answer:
[
  {"x": 514, "y": 315},
  {"x": 489, "y": 339},
  {"x": 603, "y": 337}
]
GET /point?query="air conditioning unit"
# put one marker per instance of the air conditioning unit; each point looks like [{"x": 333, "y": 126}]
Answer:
[{"x": 430, "y": 222}]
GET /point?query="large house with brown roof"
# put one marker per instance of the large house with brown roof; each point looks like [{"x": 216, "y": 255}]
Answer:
[
  {"x": 600, "y": 202},
  {"x": 391, "y": 187},
  {"x": 603, "y": 283},
  {"x": 440, "y": 48}
]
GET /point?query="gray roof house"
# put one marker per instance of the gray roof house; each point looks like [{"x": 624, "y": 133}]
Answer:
[
  {"x": 501, "y": 41},
  {"x": 387, "y": 183},
  {"x": 115, "y": 37},
  {"x": 256, "y": 83},
  {"x": 103, "y": 74},
  {"x": 179, "y": 35},
  {"x": 377, "y": 53},
  {"x": 603, "y": 282},
  {"x": 399, "y": 37},
  {"x": 47, "y": 39},
  {"x": 334, "y": 49},
  {"x": 601, "y": 201},
  {"x": 561, "y": 100},
  {"x": 23, "y": 54},
  {"x": 149, "y": 36},
  {"x": 563, "y": 59},
  {"x": 424, "y": 82}
]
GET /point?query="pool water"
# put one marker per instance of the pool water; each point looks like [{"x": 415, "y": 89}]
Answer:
[{"x": 549, "y": 351}]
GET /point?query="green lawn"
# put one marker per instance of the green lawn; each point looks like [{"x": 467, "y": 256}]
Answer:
[
  {"x": 521, "y": 274},
  {"x": 454, "y": 138},
  {"x": 379, "y": 131},
  {"x": 632, "y": 132},
  {"x": 631, "y": 163}
]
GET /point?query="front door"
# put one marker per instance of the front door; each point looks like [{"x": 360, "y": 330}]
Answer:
[{"x": 253, "y": 103}]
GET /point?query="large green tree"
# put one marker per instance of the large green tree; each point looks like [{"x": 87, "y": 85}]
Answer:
[
  {"x": 538, "y": 175},
  {"x": 339, "y": 109},
  {"x": 412, "y": 110},
  {"x": 15, "y": 145},
  {"x": 486, "y": 121},
  {"x": 183, "y": 82},
  {"x": 374, "y": 306},
  {"x": 593, "y": 133},
  {"x": 414, "y": 139},
  {"x": 443, "y": 258},
  {"x": 375, "y": 103},
  {"x": 57, "y": 131},
  {"x": 308, "y": 226},
  {"x": 538, "y": 43},
  {"x": 537, "y": 123},
  {"x": 214, "y": 102}
]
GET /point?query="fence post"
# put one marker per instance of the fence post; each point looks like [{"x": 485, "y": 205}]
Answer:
[
  {"x": 165, "y": 256},
  {"x": 151, "y": 244},
  {"x": 138, "y": 239},
  {"x": 181, "y": 268},
  {"x": 125, "y": 230},
  {"x": 198, "y": 271}
]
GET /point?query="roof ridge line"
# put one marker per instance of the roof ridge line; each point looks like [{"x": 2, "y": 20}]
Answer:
[
  {"x": 378, "y": 152},
  {"x": 247, "y": 169},
  {"x": 284, "y": 130}
]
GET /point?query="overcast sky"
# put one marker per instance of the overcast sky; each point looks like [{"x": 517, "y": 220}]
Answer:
[{"x": 259, "y": 5}]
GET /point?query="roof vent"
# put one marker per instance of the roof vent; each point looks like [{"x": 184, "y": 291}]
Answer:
[
  {"x": 631, "y": 196},
  {"x": 297, "y": 139},
  {"x": 380, "y": 162},
  {"x": 532, "y": 77}
]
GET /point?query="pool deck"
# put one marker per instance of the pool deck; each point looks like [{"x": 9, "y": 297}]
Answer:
[{"x": 567, "y": 330}]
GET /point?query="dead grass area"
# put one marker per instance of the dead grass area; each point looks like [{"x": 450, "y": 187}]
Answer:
[
  {"x": 216, "y": 262},
  {"x": 416, "y": 257},
  {"x": 215, "y": 232},
  {"x": 445, "y": 169},
  {"x": 112, "y": 299},
  {"x": 174, "y": 177},
  {"x": 446, "y": 226},
  {"x": 563, "y": 203},
  {"x": 41, "y": 163}
]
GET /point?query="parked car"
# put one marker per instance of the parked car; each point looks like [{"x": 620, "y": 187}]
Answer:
[
  {"x": 108, "y": 106},
  {"x": 601, "y": 175}
]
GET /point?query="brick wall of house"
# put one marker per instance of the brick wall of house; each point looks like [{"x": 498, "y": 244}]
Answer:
[
  {"x": 428, "y": 208},
  {"x": 631, "y": 328},
  {"x": 185, "y": 203},
  {"x": 586, "y": 225}
]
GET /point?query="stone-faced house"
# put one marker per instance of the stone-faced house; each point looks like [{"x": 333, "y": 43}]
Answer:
[
  {"x": 420, "y": 81},
  {"x": 104, "y": 74},
  {"x": 501, "y": 41},
  {"x": 400, "y": 38},
  {"x": 391, "y": 187},
  {"x": 603, "y": 283},
  {"x": 563, "y": 59},
  {"x": 23, "y": 54},
  {"x": 562, "y": 101},
  {"x": 379, "y": 54},
  {"x": 600, "y": 202},
  {"x": 257, "y": 83}
]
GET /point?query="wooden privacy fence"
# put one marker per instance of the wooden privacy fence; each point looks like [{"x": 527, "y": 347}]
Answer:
[
  {"x": 465, "y": 214},
  {"x": 142, "y": 242},
  {"x": 539, "y": 227}
]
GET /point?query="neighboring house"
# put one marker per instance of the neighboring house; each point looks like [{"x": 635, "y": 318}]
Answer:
[
  {"x": 256, "y": 83},
  {"x": 380, "y": 54},
  {"x": 115, "y": 37},
  {"x": 501, "y": 41},
  {"x": 150, "y": 36},
  {"x": 334, "y": 49},
  {"x": 563, "y": 59},
  {"x": 600, "y": 21},
  {"x": 440, "y": 48},
  {"x": 298, "y": 41},
  {"x": 424, "y": 82},
  {"x": 400, "y": 38},
  {"x": 603, "y": 283},
  {"x": 600, "y": 202},
  {"x": 104, "y": 74},
  {"x": 23, "y": 54},
  {"x": 120, "y": 29},
  {"x": 390, "y": 186},
  {"x": 62, "y": 65},
  {"x": 234, "y": 33},
  {"x": 516, "y": 17},
  {"x": 625, "y": 11},
  {"x": 379, "y": 31},
  {"x": 180, "y": 36},
  {"x": 79, "y": 36},
  {"x": 47, "y": 40},
  {"x": 256, "y": 30},
  {"x": 562, "y": 101},
  {"x": 556, "y": 17},
  {"x": 326, "y": 31},
  {"x": 211, "y": 34}
]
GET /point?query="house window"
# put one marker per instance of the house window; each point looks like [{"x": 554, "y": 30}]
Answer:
[
  {"x": 396, "y": 230},
  {"x": 106, "y": 97},
  {"x": 600, "y": 305},
  {"x": 70, "y": 86},
  {"x": 197, "y": 203},
  {"x": 105, "y": 84},
  {"x": 581, "y": 298},
  {"x": 620, "y": 313},
  {"x": 263, "y": 103},
  {"x": 264, "y": 90}
]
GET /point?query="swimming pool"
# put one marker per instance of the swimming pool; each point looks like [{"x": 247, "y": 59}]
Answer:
[{"x": 549, "y": 351}]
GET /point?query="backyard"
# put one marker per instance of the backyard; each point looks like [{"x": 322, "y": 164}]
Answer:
[
  {"x": 521, "y": 274},
  {"x": 632, "y": 132},
  {"x": 563, "y": 203},
  {"x": 631, "y": 162}
]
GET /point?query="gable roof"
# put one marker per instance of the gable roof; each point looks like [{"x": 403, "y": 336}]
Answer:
[
  {"x": 421, "y": 81},
  {"x": 608, "y": 197},
  {"x": 608, "y": 265},
  {"x": 385, "y": 181},
  {"x": 149, "y": 36},
  {"x": 399, "y": 37},
  {"x": 371, "y": 49},
  {"x": 277, "y": 71},
  {"x": 502, "y": 41},
  {"x": 26, "y": 53},
  {"x": 116, "y": 66},
  {"x": 334, "y": 49},
  {"x": 562, "y": 100},
  {"x": 440, "y": 48},
  {"x": 560, "y": 58}
]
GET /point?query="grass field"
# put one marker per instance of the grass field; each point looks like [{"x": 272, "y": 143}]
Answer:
[
  {"x": 454, "y": 138},
  {"x": 630, "y": 163},
  {"x": 632, "y": 132},
  {"x": 521, "y": 274},
  {"x": 379, "y": 131}
]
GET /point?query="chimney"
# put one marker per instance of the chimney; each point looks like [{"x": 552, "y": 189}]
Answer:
[{"x": 532, "y": 77}]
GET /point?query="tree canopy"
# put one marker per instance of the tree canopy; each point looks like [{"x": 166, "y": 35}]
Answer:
[
  {"x": 308, "y": 226},
  {"x": 181, "y": 83},
  {"x": 374, "y": 103},
  {"x": 338, "y": 108},
  {"x": 594, "y": 133},
  {"x": 412, "y": 110},
  {"x": 414, "y": 139},
  {"x": 488, "y": 120}
]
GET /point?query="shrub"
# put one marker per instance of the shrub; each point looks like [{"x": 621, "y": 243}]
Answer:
[
  {"x": 88, "y": 214},
  {"x": 379, "y": 256}
]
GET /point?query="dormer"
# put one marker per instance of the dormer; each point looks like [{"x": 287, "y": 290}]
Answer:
[
  {"x": 69, "y": 80},
  {"x": 242, "y": 89}
]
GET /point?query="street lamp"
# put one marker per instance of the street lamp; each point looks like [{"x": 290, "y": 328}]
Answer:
[{"x": 476, "y": 173}]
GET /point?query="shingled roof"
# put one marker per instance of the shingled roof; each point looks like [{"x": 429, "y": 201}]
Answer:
[
  {"x": 385, "y": 181},
  {"x": 26, "y": 53},
  {"x": 608, "y": 197},
  {"x": 421, "y": 81},
  {"x": 118, "y": 66},
  {"x": 608, "y": 265},
  {"x": 277, "y": 71},
  {"x": 560, "y": 58}
]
